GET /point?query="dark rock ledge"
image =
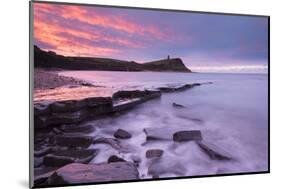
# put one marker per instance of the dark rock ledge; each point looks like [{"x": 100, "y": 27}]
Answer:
[
  {"x": 50, "y": 114},
  {"x": 64, "y": 144}
]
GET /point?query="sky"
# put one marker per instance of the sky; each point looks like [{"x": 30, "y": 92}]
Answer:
[{"x": 205, "y": 42}]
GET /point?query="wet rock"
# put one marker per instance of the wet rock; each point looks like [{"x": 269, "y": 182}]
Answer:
[
  {"x": 129, "y": 94},
  {"x": 42, "y": 152},
  {"x": 70, "y": 111},
  {"x": 169, "y": 89},
  {"x": 41, "y": 175},
  {"x": 88, "y": 173},
  {"x": 124, "y": 100},
  {"x": 122, "y": 105},
  {"x": 67, "y": 117},
  {"x": 196, "y": 84},
  {"x": 40, "y": 122},
  {"x": 64, "y": 157},
  {"x": 182, "y": 136},
  {"x": 213, "y": 151},
  {"x": 161, "y": 133},
  {"x": 57, "y": 131},
  {"x": 67, "y": 106},
  {"x": 122, "y": 134},
  {"x": 38, "y": 162},
  {"x": 177, "y": 105},
  {"x": 42, "y": 108},
  {"x": 51, "y": 160},
  {"x": 114, "y": 158},
  {"x": 114, "y": 143},
  {"x": 154, "y": 153},
  {"x": 99, "y": 101},
  {"x": 87, "y": 128},
  {"x": 73, "y": 141}
]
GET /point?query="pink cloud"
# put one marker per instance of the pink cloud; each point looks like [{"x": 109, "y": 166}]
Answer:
[{"x": 49, "y": 30}]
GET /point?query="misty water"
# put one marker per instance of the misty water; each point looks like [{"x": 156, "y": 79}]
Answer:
[{"x": 231, "y": 113}]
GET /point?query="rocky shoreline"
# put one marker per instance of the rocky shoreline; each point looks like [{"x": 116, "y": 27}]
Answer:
[
  {"x": 49, "y": 78},
  {"x": 64, "y": 147}
]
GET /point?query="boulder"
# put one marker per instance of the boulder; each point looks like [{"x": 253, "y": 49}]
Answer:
[
  {"x": 77, "y": 173},
  {"x": 213, "y": 151},
  {"x": 122, "y": 134},
  {"x": 114, "y": 158},
  {"x": 154, "y": 153},
  {"x": 73, "y": 141},
  {"x": 182, "y": 136}
]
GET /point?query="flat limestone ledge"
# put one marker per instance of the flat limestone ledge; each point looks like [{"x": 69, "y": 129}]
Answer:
[
  {"x": 54, "y": 113},
  {"x": 90, "y": 173}
]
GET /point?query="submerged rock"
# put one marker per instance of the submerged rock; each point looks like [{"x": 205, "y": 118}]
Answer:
[
  {"x": 178, "y": 105},
  {"x": 154, "y": 153},
  {"x": 213, "y": 151},
  {"x": 77, "y": 173},
  {"x": 122, "y": 134},
  {"x": 182, "y": 136},
  {"x": 114, "y": 158}
]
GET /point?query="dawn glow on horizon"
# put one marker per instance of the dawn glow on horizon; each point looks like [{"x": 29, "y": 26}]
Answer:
[{"x": 205, "y": 42}]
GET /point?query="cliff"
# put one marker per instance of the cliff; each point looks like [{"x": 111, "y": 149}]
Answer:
[{"x": 49, "y": 59}]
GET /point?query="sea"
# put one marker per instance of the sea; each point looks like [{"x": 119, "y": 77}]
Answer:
[{"x": 231, "y": 113}]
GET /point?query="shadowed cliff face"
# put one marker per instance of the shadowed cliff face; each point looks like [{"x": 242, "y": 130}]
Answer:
[
  {"x": 50, "y": 59},
  {"x": 174, "y": 64}
]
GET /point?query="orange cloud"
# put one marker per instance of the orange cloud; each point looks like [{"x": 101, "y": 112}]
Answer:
[{"x": 49, "y": 30}]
